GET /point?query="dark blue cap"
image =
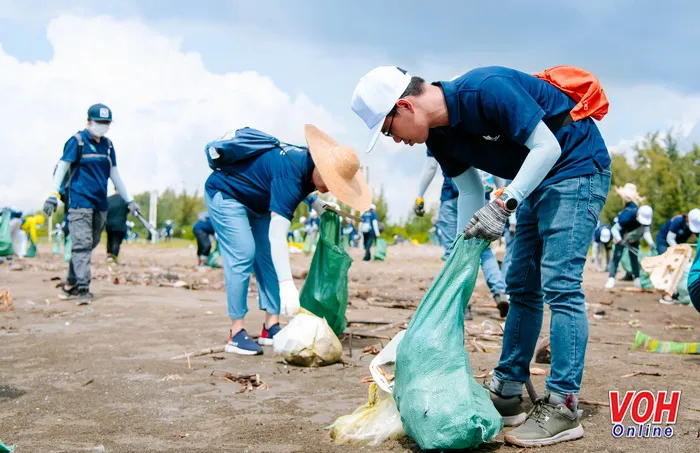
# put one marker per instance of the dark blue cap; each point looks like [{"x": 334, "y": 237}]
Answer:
[{"x": 100, "y": 112}]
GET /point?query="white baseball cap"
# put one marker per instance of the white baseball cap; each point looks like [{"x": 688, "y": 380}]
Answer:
[
  {"x": 644, "y": 215},
  {"x": 694, "y": 220},
  {"x": 605, "y": 235},
  {"x": 373, "y": 206},
  {"x": 375, "y": 95}
]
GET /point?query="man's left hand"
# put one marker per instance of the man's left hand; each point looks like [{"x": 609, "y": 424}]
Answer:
[
  {"x": 134, "y": 208},
  {"x": 488, "y": 222}
]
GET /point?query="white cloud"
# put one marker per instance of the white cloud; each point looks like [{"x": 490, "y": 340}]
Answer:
[{"x": 166, "y": 106}]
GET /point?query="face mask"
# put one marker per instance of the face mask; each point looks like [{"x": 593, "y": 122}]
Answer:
[{"x": 97, "y": 129}]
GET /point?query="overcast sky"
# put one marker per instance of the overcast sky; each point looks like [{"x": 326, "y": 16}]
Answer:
[{"x": 177, "y": 74}]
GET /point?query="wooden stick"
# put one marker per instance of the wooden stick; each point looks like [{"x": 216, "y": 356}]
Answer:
[
  {"x": 388, "y": 326},
  {"x": 200, "y": 353},
  {"x": 369, "y": 322},
  {"x": 593, "y": 403},
  {"x": 369, "y": 335}
]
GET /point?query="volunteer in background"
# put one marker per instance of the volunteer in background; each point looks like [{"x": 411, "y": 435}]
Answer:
[
  {"x": 251, "y": 213},
  {"x": 19, "y": 237},
  {"x": 117, "y": 210},
  {"x": 677, "y": 230},
  {"x": 203, "y": 230},
  {"x": 86, "y": 192},
  {"x": 631, "y": 225},
  {"x": 369, "y": 226},
  {"x": 168, "y": 230},
  {"x": 447, "y": 227},
  {"x": 602, "y": 239},
  {"x": 498, "y": 120},
  {"x": 30, "y": 224}
]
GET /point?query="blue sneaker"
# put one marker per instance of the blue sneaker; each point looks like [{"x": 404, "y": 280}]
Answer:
[
  {"x": 267, "y": 335},
  {"x": 242, "y": 344}
]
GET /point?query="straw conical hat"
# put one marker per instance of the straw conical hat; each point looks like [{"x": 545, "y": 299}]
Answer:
[
  {"x": 628, "y": 192},
  {"x": 339, "y": 167}
]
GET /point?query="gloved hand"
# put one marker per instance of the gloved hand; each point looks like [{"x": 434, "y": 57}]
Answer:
[
  {"x": 488, "y": 222},
  {"x": 289, "y": 298},
  {"x": 50, "y": 205},
  {"x": 134, "y": 208},
  {"x": 419, "y": 207},
  {"x": 319, "y": 206}
]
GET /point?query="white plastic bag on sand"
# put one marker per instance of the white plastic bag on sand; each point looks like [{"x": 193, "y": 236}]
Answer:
[
  {"x": 308, "y": 341},
  {"x": 370, "y": 424},
  {"x": 387, "y": 355}
]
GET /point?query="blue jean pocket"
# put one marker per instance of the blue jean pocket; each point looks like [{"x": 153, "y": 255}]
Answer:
[{"x": 599, "y": 184}]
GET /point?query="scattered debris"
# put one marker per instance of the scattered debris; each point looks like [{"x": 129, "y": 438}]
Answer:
[
  {"x": 640, "y": 373},
  {"x": 16, "y": 267},
  {"x": 218, "y": 357},
  {"x": 247, "y": 382},
  {"x": 593, "y": 403},
  {"x": 372, "y": 349},
  {"x": 172, "y": 377},
  {"x": 677, "y": 327},
  {"x": 606, "y": 302},
  {"x": 538, "y": 371},
  {"x": 200, "y": 353},
  {"x": 543, "y": 351},
  {"x": 666, "y": 269},
  {"x": 88, "y": 382},
  {"x": 180, "y": 436},
  {"x": 388, "y": 376},
  {"x": 5, "y": 301},
  {"x": 600, "y": 314},
  {"x": 634, "y": 323},
  {"x": 366, "y": 380}
]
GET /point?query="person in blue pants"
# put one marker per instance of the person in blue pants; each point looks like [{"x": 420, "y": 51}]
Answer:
[
  {"x": 369, "y": 226},
  {"x": 203, "y": 230},
  {"x": 520, "y": 127},
  {"x": 447, "y": 231},
  {"x": 251, "y": 205}
]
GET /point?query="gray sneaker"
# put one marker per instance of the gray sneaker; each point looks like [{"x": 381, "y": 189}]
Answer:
[
  {"x": 511, "y": 409},
  {"x": 84, "y": 297},
  {"x": 546, "y": 424},
  {"x": 503, "y": 304}
]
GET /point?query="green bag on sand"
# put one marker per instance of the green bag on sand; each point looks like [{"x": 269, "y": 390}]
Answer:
[
  {"x": 31, "y": 251},
  {"x": 380, "y": 252},
  {"x": 651, "y": 344},
  {"x": 627, "y": 266},
  {"x": 214, "y": 259},
  {"x": 5, "y": 235},
  {"x": 442, "y": 406},
  {"x": 325, "y": 291},
  {"x": 67, "y": 249}
]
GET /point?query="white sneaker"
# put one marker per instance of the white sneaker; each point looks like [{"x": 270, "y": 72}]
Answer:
[
  {"x": 637, "y": 283},
  {"x": 610, "y": 284}
]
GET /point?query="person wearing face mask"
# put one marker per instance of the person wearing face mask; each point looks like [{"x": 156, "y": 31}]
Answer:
[{"x": 80, "y": 182}]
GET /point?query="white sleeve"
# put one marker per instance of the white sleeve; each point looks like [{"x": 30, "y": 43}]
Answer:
[
  {"x": 279, "y": 249},
  {"x": 471, "y": 196},
  {"x": 615, "y": 230},
  {"x": 671, "y": 238},
  {"x": 426, "y": 177},
  {"x": 544, "y": 152},
  {"x": 375, "y": 225},
  {"x": 119, "y": 184},
  {"x": 647, "y": 237},
  {"x": 61, "y": 170}
]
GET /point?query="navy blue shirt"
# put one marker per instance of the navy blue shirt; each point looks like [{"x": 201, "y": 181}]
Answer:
[
  {"x": 677, "y": 225},
  {"x": 270, "y": 182},
  {"x": 88, "y": 188},
  {"x": 367, "y": 221},
  {"x": 449, "y": 188},
  {"x": 204, "y": 225},
  {"x": 494, "y": 110},
  {"x": 627, "y": 218}
]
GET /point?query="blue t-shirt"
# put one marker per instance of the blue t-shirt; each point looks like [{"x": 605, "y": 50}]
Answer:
[
  {"x": 449, "y": 188},
  {"x": 88, "y": 188},
  {"x": 271, "y": 182},
  {"x": 204, "y": 225},
  {"x": 367, "y": 221},
  {"x": 679, "y": 226},
  {"x": 492, "y": 113},
  {"x": 627, "y": 218}
]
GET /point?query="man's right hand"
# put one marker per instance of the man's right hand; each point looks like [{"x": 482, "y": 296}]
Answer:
[
  {"x": 50, "y": 205},
  {"x": 419, "y": 207}
]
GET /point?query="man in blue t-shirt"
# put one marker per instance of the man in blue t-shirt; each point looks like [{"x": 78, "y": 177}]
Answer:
[
  {"x": 369, "y": 227},
  {"x": 251, "y": 205},
  {"x": 677, "y": 230},
  {"x": 514, "y": 126},
  {"x": 88, "y": 161},
  {"x": 447, "y": 229}
]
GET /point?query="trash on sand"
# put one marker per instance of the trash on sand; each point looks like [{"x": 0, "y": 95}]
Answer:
[
  {"x": 200, "y": 353},
  {"x": 5, "y": 301},
  {"x": 634, "y": 323},
  {"x": 172, "y": 377},
  {"x": 88, "y": 382},
  {"x": 308, "y": 341},
  {"x": 600, "y": 314},
  {"x": 372, "y": 349},
  {"x": 650, "y": 344},
  {"x": 543, "y": 352},
  {"x": 371, "y": 423},
  {"x": 677, "y": 327},
  {"x": 247, "y": 382},
  {"x": 538, "y": 371},
  {"x": 385, "y": 357},
  {"x": 640, "y": 373}
]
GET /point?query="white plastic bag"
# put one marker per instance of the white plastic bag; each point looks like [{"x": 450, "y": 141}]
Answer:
[
  {"x": 369, "y": 424},
  {"x": 387, "y": 355},
  {"x": 308, "y": 341}
]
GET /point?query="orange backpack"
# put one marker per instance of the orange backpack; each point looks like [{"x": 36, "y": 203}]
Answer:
[{"x": 581, "y": 86}]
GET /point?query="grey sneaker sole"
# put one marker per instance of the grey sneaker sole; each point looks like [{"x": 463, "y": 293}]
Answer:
[
  {"x": 236, "y": 350},
  {"x": 564, "y": 436},
  {"x": 514, "y": 420}
]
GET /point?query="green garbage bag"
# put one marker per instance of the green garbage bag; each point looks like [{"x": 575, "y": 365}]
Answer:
[
  {"x": 67, "y": 249},
  {"x": 627, "y": 266},
  {"x": 31, "y": 251},
  {"x": 380, "y": 252},
  {"x": 214, "y": 259},
  {"x": 442, "y": 406},
  {"x": 325, "y": 291},
  {"x": 5, "y": 235}
]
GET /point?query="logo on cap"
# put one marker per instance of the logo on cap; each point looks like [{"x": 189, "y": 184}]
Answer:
[{"x": 104, "y": 112}]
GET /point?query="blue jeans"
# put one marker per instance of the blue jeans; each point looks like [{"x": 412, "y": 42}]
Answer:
[
  {"x": 447, "y": 227},
  {"x": 245, "y": 248},
  {"x": 555, "y": 226}
]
